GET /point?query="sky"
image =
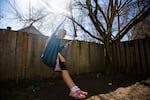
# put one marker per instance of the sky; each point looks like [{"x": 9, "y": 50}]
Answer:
[
  {"x": 56, "y": 7},
  {"x": 2, "y": 3}
]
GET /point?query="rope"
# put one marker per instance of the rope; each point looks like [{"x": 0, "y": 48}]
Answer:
[{"x": 58, "y": 27}]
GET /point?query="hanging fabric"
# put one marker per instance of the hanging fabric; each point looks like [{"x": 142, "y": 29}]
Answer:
[{"x": 52, "y": 48}]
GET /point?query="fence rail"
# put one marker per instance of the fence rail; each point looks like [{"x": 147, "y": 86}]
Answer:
[{"x": 20, "y": 56}]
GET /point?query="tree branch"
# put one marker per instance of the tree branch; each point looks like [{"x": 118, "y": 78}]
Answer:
[
  {"x": 94, "y": 19},
  {"x": 100, "y": 39},
  {"x": 138, "y": 18},
  {"x": 98, "y": 21}
]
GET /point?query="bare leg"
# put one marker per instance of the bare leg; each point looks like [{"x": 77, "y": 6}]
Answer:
[
  {"x": 68, "y": 80},
  {"x": 74, "y": 90},
  {"x": 65, "y": 74}
]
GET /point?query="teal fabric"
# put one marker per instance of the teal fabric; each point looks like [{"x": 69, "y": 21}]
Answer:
[{"x": 51, "y": 50}]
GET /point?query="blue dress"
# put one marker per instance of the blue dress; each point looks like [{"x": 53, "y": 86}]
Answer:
[{"x": 51, "y": 50}]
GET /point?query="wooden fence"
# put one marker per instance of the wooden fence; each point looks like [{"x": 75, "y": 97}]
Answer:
[
  {"x": 20, "y": 56},
  {"x": 132, "y": 57}
]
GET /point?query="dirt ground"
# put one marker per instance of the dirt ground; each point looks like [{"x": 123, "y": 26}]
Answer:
[{"x": 113, "y": 87}]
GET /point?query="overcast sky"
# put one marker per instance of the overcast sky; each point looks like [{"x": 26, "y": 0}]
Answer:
[{"x": 57, "y": 7}]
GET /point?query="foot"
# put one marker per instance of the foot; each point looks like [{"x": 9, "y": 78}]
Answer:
[
  {"x": 83, "y": 92},
  {"x": 77, "y": 95}
]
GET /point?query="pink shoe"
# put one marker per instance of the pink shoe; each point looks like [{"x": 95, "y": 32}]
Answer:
[
  {"x": 77, "y": 95},
  {"x": 83, "y": 92}
]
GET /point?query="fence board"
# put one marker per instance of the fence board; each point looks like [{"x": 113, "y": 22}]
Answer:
[
  {"x": 19, "y": 54},
  {"x": 37, "y": 55},
  {"x": 40, "y": 50},
  {"x": 73, "y": 66},
  {"x": 24, "y": 56},
  {"x": 114, "y": 57},
  {"x": 2, "y": 36},
  {"x": 12, "y": 54},
  {"x": 1, "y": 47},
  {"x": 78, "y": 54},
  {"x": 99, "y": 54},
  {"x": 84, "y": 57},
  {"x": 128, "y": 57},
  {"x": 132, "y": 56},
  {"x": 122, "y": 56},
  {"x": 5, "y": 56},
  {"x": 137, "y": 58},
  {"x": 146, "y": 56},
  {"x": 147, "y": 47},
  {"x": 142, "y": 56},
  {"x": 30, "y": 60},
  {"x": 34, "y": 67},
  {"x": 96, "y": 52},
  {"x": 118, "y": 57}
]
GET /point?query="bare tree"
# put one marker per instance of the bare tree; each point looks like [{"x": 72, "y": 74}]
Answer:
[
  {"x": 141, "y": 30},
  {"x": 108, "y": 19},
  {"x": 33, "y": 15}
]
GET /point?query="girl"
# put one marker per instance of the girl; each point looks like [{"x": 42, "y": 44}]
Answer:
[{"x": 52, "y": 56}]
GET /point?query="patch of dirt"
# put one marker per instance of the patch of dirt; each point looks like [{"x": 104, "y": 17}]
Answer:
[{"x": 99, "y": 87}]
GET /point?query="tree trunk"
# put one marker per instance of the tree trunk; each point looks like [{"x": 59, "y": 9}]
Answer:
[{"x": 108, "y": 56}]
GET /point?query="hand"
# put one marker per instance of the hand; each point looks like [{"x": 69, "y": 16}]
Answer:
[
  {"x": 68, "y": 44},
  {"x": 62, "y": 59}
]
